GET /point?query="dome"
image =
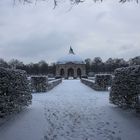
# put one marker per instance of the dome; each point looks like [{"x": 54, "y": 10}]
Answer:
[{"x": 70, "y": 58}]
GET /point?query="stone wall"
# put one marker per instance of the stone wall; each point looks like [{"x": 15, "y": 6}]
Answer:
[
  {"x": 125, "y": 89},
  {"x": 14, "y": 91},
  {"x": 53, "y": 83},
  {"x": 88, "y": 82}
]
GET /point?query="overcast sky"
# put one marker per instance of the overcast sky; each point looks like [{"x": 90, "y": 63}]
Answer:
[{"x": 32, "y": 33}]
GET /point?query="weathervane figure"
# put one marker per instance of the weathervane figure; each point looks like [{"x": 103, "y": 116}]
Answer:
[{"x": 71, "y": 50}]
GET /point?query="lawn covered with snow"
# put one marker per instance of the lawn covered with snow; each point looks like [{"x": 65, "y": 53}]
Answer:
[{"x": 72, "y": 111}]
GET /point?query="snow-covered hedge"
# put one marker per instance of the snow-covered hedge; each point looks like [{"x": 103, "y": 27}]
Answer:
[
  {"x": 101, "y": 83},
  {"x": 39, "y": 83},
  {"x": 14, "y": 91},
  {"x": 103, "y": 80},
  {"x": 126, "y": 87}
]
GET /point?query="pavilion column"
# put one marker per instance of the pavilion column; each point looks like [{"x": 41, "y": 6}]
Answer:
[
  {"x": 75, "y": 73},
  {"x": 83, "y": 70},
  {"x": 57, "y": 70}
]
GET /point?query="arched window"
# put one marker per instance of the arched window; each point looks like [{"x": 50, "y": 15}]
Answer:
[{"x": 62, "y": 73}]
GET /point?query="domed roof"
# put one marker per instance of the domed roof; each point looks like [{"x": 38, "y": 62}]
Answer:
[{"x": 70, "y": 58}]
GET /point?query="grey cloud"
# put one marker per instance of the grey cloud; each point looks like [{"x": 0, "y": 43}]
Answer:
[
  {"x": 101, "y": 15},
  {"x": 126, "y": 47},
  {"x": 35, "y": 48}
]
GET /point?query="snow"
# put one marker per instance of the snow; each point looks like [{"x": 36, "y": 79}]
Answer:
[
  {"x": 72, "y": 111},
  {"x": 73, "y": 58},
  {"x": 90, "y": 80}
]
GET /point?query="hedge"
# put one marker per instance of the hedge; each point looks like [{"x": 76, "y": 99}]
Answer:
[
  {"x": 14, "y": 91},
  {"x": 125, "y": 88},
  {"x": 39, "y": 83},
  {"x": 103, "y": 81}
]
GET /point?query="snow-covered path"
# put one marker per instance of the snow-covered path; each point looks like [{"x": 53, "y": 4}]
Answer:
[{"x": 72, "y": 111}]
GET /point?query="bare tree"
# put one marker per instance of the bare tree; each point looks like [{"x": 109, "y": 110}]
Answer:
[{"x": 72, "y": 2}]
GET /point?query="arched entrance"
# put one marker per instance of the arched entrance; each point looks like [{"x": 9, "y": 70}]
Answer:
[
  {"x": 62, "y": 72},
  {"x": 79, "y": 72},
  {"x": 70, "y": 72}
]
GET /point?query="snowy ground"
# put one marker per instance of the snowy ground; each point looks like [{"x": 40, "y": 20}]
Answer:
[{"x": 72, "y": 111}]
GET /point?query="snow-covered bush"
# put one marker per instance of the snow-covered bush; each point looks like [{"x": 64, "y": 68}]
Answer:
[
  {"x": 126, "y": 87},
  {"x": 42, "y": 84},
  {"x": 39, "y": 83},
  {"x": 103, "y": 80},
  {"x": 14, "y": 91},
  {"x": 93, "y": 85}
]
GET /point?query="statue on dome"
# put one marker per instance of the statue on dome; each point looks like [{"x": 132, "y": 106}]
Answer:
[{"x": 71, "y": 50}]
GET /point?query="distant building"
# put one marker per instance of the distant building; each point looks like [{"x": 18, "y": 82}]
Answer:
[{"x": 70, "y": 65}]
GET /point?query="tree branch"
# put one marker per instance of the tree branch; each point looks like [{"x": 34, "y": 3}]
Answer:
[{"x": 73, "y": 2}]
